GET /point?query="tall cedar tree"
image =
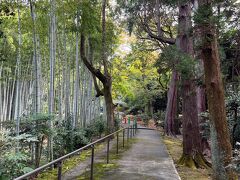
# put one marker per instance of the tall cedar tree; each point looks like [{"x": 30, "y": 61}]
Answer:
[
  {"x": 221, "y": 146},
  {"x": 192, "y": 153}
]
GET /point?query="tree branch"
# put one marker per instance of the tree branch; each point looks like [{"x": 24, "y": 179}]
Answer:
[
  {"x": 96, "y": 86},
  {"x": 160, "y": 35},
  {"x": 95, "y": 72}
]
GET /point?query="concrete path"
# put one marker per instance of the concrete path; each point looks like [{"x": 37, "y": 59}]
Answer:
[{"x": 147, "y": 159}]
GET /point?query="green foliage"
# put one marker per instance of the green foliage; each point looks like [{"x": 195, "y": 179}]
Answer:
[
  {"x": 233, "y": 117},
  {"x": 14, "y": 164},
  {"x": 15, "y": 150},
  {"x": 204, "y": 125},
  {"x": 90, "y": 16},
  {"x": 229, "y": 43},
  {"x": 175, "y": 59},
  {"x": 235, "y": 164},
  {"x": 145, "y": 118},
  {"x": 136, "y": 80},
  {"x": 202, "y": 15},
  {"x": 117, "y": 123},
  {"x": 159, "y": 118},
  {"x": 68, "y": 138},
  {"x": 233, "y": 114},
  {"x": 96, "y": 128},
  {"x": 10, "y": 142},
  {"x": 37, "y": 124},
  {"x": 33, "y": 128}
]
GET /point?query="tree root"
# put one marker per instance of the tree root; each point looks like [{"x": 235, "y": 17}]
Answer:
[{"x": 194, "y": 161}]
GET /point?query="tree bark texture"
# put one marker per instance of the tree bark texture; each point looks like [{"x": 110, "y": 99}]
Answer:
[
  {"x": 171, "y": 109},
  {"x": 220, "y": 139},
  {"x": 192, "y": 154}
]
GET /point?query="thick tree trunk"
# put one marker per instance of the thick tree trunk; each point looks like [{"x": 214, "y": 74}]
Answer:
[
  {"x": 201, "y": 107},
  {"x": 171, "y": 109},
  {"x": 108, "y": 83},
  {"x": 201, "y": 94},
  {"x": 109, "y": 104},
  {"x": 192, "y": 154},
  {"x": 221, "y": 146}
]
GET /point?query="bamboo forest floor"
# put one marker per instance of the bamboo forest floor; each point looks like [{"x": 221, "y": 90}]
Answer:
[{"x": 143, "y": 157}]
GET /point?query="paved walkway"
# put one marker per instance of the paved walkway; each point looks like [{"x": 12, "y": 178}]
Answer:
[{"x": 147, "y": 159}]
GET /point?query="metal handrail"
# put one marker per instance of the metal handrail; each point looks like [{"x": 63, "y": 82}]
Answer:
[{"x": 60, "y": 160}]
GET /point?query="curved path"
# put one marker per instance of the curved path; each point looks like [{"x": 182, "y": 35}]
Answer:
[{"x": 147, "y": 159}]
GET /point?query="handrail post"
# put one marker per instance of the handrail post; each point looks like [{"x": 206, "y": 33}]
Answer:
[
  {"x": 117, "y": 142},
  {"x": 59, "y": 170},
  {"x": 131, "y": 132},
  {"x": 136, "y": 127},
  {"x": 127, "y": 134},
  {"x": 108, "y": 142},
  {"x": 92, "y": 161},
  {"x": 133, "y": 129},
  {"x": 123, "y": 136}
]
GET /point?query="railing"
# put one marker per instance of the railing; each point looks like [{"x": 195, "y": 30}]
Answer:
[{"x": 131, "y": 131}]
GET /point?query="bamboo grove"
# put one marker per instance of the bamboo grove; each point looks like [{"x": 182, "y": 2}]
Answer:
[{"x": 64, "y": 64}]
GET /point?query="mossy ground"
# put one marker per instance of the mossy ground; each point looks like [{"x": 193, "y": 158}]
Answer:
[
  {"x": 69, "y": 163},
  {"x": 174, "y": 146},
  {"x": 101, "y": 168}
]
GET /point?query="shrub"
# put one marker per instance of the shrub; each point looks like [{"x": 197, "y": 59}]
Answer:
[
  {"x": 159, "y": 118},
  {"x": 145, "y": 118},
  {"x": 67, "y": 138},
  {"x": 117, "y": 123},
  {"x": 13, "y": 165}
]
